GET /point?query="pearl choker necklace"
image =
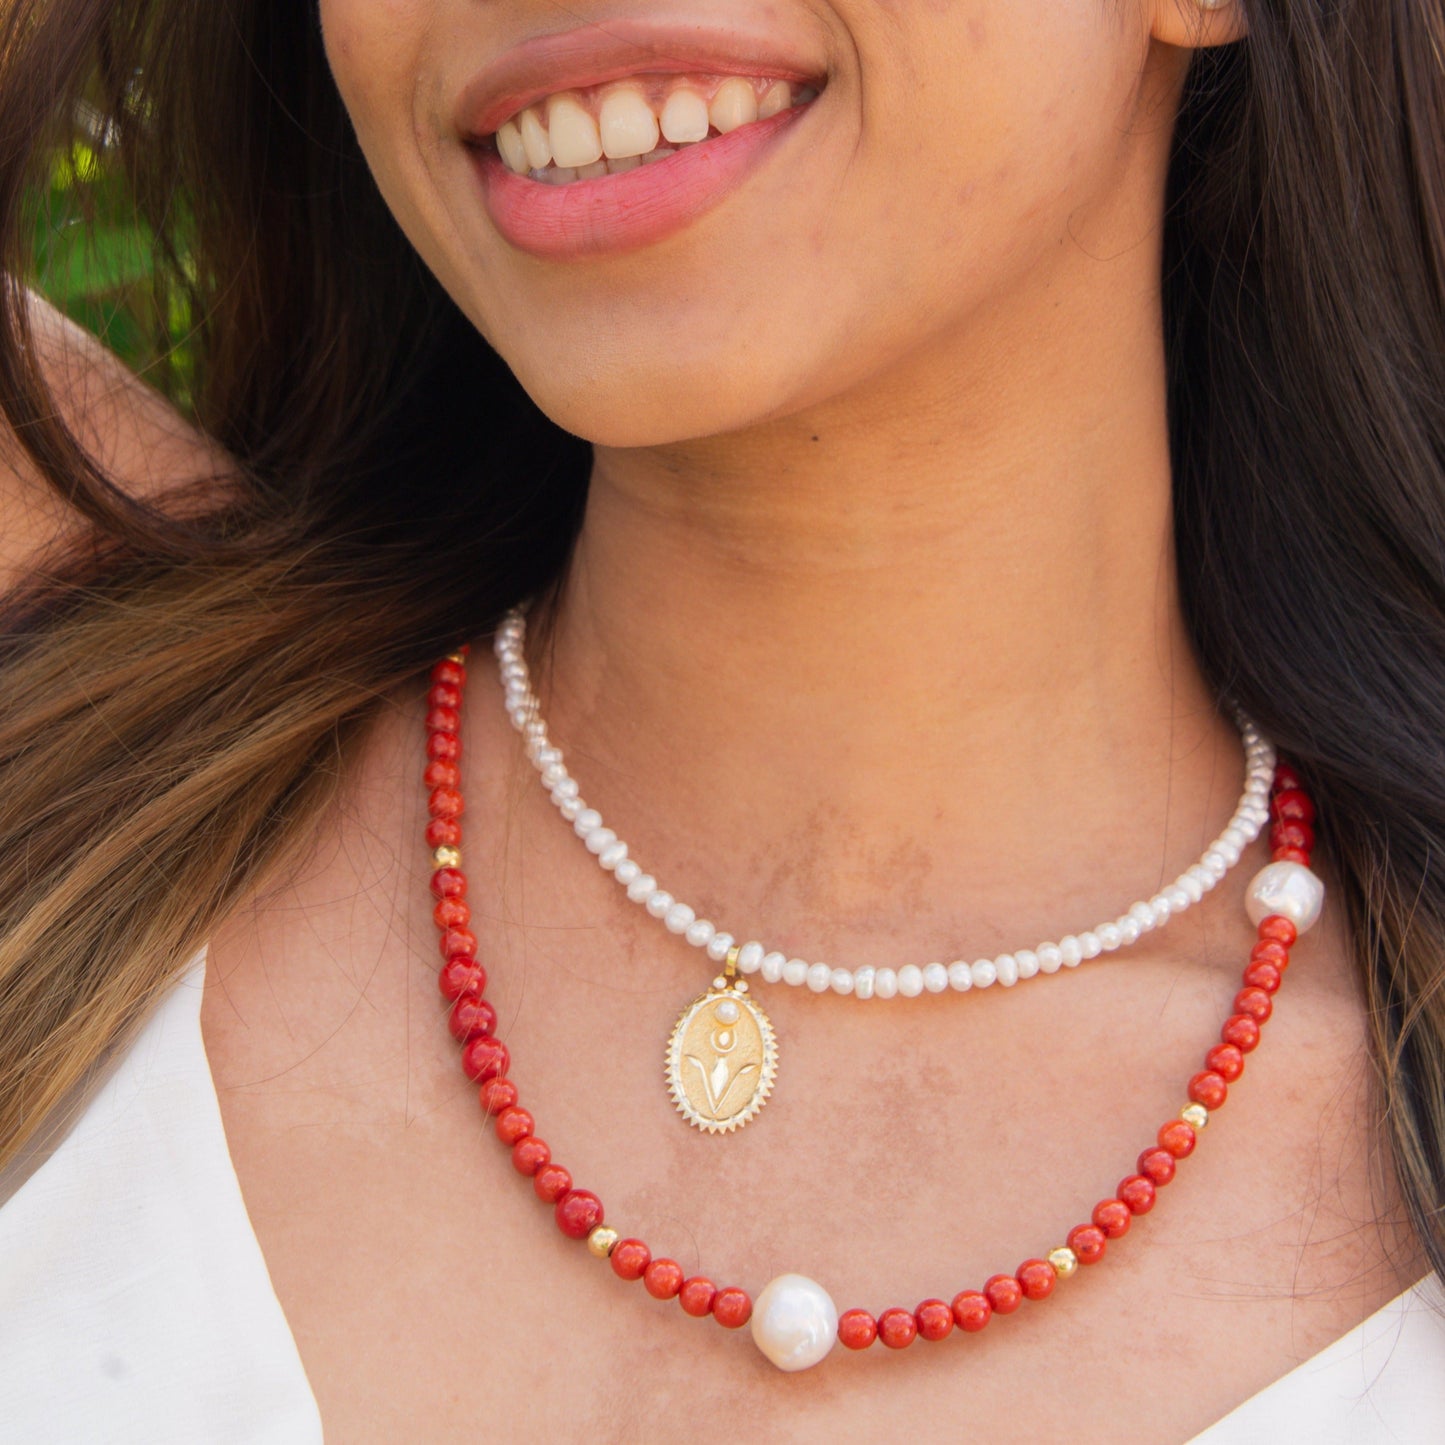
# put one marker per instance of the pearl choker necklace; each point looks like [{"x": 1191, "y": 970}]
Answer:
[
  {"x": 614, "y": 856},
  {"x": 722, "y": 1057},
  {"x": 794, "y": 1320}
]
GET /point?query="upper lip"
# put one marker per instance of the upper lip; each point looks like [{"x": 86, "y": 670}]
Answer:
[{"x": 593, "y": 54}]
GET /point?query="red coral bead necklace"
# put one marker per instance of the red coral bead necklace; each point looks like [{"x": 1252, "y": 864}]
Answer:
[{"x": 793, "y": 1320}]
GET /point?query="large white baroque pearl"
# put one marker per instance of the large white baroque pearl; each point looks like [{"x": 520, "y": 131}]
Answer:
[
  {"x": 1289, "y": 889},
  {"x": 795, "y": 1322}
]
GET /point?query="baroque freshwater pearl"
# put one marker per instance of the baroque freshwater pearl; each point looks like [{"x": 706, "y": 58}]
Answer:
[
  {"x": 1290, "y": 890},
  {"x": 795, "y": 1322}
]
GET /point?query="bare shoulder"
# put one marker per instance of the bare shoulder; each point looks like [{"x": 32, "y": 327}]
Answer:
[{"x": 131, "y": 431}]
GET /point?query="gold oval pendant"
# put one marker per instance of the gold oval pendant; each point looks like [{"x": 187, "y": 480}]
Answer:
[{"x": 722, "y": 1059}]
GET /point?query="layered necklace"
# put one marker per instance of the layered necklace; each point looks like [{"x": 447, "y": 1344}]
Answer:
[{"x": 722, "y": 1057}]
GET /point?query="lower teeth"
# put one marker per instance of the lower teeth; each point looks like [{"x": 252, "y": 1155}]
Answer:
[{"x": 565, "y": 175}]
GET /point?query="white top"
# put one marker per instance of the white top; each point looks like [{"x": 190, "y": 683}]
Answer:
[{"x": 135, "y": 1304}]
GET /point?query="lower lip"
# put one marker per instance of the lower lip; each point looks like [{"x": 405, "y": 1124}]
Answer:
[{"x": 622, "y": 212}]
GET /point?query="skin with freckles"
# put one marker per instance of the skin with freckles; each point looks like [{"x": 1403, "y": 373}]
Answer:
[{"x": 871, "y": 646}]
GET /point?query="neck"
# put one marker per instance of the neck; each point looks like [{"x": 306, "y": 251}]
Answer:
[{"x": 934, "y": 621}]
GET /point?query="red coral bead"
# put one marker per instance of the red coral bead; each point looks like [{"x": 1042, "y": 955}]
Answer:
[
  {"x": 971, "y": 1310},
  {"x": 1292, "y": 805},
  {"x": 551, "y": 1182},
  {"x": 1114, "y": 1217},
  {"x": 529, "y": 1155},
  {"x": 471, "y": 1017},
  {"x": 1263, "y": 975},
  {"x": 461, "y": 975},
  {"x": 442, "y": 775},
  {"x": 696, "y": 1296},
  {"x": 1088, "y": 1242},
  {"x": 443, "y": 720},
  {"x": 1004, "y": 1293},
  {"x": 1255, "y": 1002},
  {"x": 514, "y": 1124},
  {"x": 443, "y": 833},
  {"x": 443, "y": 747},
  {"x": 662, "y": 1278},
  {"x": 458, "y": 943},
  {"x": 857, "y": 1329},
  {"x": 934, "y": 1319},
  {"x": 485, "y": 1058},
  {"x": 1270, "y": 950},
  {"x": 1226, "y": 1061},
  {"x": 1241, "y": 1031},
  {"x": 444, "y": 694},
  {"x": 732, "y": 1308},
  {"x": 447, "y": 671},
  {"x": 496, "y": 1095},
  {"x": 1278, "y": 929},
  {"x": 451, "y": 913},
  {"x": 1291, "y": 855},
  {"x": 444, "y": 803},
  {"x": 449, "y": 883},
  {"x": 897, "y": 1329},
  {"x": 1177, "y": 1138},
  {"x": 579, "y": 1212},
  {"x": 1036, "y": 1279},
  {"x": 1156, "y": 1165},
  {"x": 1286, "y": 779},
  {"x": 1291, "y": 834},
  {"x": 1208, "y": 1089},
  {"x": 1137, "y": 1193},
  {"x": 630, "y": 1257}
]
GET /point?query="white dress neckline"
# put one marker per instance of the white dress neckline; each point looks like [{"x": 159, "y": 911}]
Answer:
[{"x": 137, "y": 1305}]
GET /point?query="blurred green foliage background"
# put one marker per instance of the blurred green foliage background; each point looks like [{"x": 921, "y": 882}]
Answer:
[{"x": 96, "y": 260}]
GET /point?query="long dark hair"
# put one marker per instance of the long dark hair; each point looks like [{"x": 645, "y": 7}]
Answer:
[{"x": 197, "y": 674}]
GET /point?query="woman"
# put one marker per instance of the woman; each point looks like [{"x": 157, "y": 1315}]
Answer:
[{"x": 910, "y": 470}]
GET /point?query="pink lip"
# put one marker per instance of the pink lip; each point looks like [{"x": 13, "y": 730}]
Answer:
[
  {"x": 622, "y": 212},
  {"x": 595, "y": 54}
]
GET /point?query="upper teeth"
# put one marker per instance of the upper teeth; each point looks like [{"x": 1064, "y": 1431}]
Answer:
[{"x": 628, "y": 119}]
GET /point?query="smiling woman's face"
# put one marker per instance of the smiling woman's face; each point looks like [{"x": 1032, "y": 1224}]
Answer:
[{"x": 959, "y": 156}]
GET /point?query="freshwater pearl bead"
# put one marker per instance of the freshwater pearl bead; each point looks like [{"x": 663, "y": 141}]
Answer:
[
  {"x": 587, "y": 820},
  {"x": 719, "y": 945},
  {"x": 985, "y": 973},
  {"x": 863, "y": 981},
  {"x": 1290, "y": 890},
  {"x": 678, "y": 918},
  {"x": 627, "y": 871},
  {"x": 1006, "y": 970},
  {"x": 750, "y": 957},
  {"x": 885, "y": 983},
  {"x": 820, "y": 976},
  {"x": 1027, "y": 961},
  {"x": 1050, "y": 957},
  {"x": 910, "y": 980},
  {"x": 960, "y": 976},
  {"x": 699, "y": 932},
  {"x": 795, "y": 1322},
  {"x": 795, "y": 972},
  {"x": 935, "y": 977},
  {"x": 771, "y": 967},
  {"x": 642, "y": 888},
  {"x": 659, "y": 903},
  {"x": 842, "y": 980}
]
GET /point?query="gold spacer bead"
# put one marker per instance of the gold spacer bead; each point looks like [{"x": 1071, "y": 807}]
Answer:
[
  {"x": 602, "y": 1241},
  {"x": 447, "y": 858},
  {"x": 457, "y": 657},
  {"x": 1195, "y": 1115},
  {"x": 1064, "y": 1261}
]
